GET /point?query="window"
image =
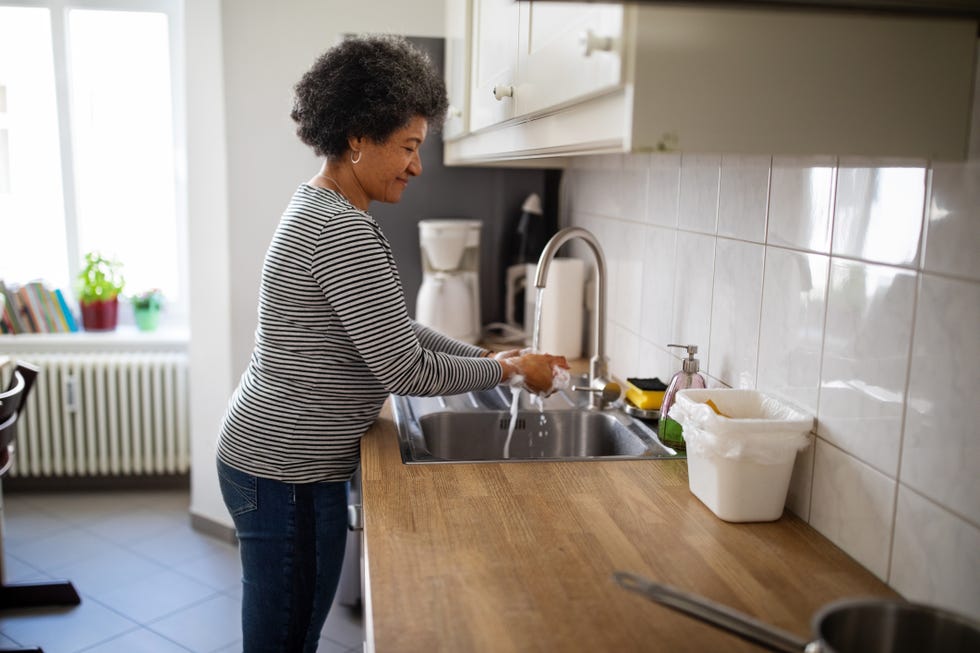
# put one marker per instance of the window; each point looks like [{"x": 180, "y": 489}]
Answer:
[{"x": 89, "y": 142}]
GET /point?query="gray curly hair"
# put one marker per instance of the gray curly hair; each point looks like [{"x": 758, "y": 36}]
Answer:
[{"x": 366, "y": 86}]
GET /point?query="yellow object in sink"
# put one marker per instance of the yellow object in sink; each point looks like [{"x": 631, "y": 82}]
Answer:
[{"x": 646, "y": 394}]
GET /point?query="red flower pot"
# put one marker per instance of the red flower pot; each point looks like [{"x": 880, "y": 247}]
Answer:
[{"x": 100, "y": 315}]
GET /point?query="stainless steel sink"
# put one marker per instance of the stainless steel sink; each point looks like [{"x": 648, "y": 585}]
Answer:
[{"x": 474, "y": 427}]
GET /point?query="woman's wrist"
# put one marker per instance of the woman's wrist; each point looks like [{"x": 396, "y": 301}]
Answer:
[{"x": 509, "y": 370}]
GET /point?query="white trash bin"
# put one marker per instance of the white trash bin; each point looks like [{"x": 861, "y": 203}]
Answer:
[{"x": 739, "y": 463}]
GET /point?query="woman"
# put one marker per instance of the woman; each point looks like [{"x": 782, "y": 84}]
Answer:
[{"x": 334, "y": 339}]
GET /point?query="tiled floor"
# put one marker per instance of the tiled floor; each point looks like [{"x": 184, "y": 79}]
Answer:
[{"x": 148, "y": 582}]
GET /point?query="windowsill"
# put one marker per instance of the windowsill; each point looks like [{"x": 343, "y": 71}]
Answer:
[{"x": 123, "y": 338}]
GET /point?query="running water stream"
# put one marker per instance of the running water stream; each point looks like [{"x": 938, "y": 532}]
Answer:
[
  {"x": 515, "y": 389},
  {"x": 514, "y": 406},
  {"x": 536, "y": 329}
]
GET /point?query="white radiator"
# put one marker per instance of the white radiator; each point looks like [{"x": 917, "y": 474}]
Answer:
[{"x": 105, "y": 415}]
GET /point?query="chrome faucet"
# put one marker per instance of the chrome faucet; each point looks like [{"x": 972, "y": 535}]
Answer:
[{"x": 602, "y": 390}]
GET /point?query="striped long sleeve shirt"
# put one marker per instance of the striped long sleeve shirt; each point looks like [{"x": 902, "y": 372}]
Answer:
[{"x": 333, "y": 340}]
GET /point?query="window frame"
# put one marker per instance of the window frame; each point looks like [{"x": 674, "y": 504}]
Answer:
[{"x": 177, "y": 313}]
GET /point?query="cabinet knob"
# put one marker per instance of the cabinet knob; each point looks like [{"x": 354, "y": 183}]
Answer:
[
  {"x": 592, "y": 42},
  {"x": 454, "y": 112},
  {"x": 500, "y": 91}
]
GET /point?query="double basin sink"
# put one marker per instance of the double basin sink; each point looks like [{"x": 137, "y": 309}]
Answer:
[{"x": 476, "y": 427}]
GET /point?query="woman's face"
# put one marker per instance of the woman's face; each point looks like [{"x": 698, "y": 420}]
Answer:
[{"x": 384, "y": 169}]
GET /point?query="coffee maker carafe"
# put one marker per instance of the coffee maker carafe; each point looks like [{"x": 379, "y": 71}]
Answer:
[{"x": 449, "y": 298}]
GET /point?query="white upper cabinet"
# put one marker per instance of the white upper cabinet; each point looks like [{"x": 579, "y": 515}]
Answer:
[
  {"x": 457, "y": 64},
  {"x": 532, "y": 56},
  {"x": 568, "y": 51},
  {"x": 554, "y": 79},
  {"x": 493, "y": 66}
]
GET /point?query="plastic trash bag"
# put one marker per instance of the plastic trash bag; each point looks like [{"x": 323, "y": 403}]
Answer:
[{"x": 755, "y": 427}]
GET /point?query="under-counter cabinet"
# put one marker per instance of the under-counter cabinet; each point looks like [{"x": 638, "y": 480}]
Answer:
[{"x": 552, "y": 79}]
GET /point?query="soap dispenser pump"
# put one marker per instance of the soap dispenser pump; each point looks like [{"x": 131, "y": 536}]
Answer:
[{"x": 688, "y": 377}]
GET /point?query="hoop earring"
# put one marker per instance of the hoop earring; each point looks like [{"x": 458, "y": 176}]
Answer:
[{"x": 357, "y": 160}]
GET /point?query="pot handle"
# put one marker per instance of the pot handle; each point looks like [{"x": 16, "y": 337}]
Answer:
[{"x": 713, "y": 613}]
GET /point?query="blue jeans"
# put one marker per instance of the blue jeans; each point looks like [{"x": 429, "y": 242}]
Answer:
[{"x": 291, "y": 537}]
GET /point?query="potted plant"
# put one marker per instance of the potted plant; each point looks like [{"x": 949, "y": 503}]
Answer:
[
  {"x": 146, "y": 309},
  {"x": 98, "y": 286}
]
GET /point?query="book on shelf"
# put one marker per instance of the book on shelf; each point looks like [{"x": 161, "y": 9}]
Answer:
[
  {"x": 39, "y": 295},
  {"x": 11, "y": 309},
  {"x": 23, "y": 324},
  {"x": 34, "y": 308},
  {"x": 5, "y": 325},
  {"x": 65, "y": 311}
]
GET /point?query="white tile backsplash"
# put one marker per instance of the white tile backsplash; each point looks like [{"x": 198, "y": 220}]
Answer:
[
  {"x": 791, "y": 330},
  {"x": 953, "y": 220},
  {"x": 879, "y": 341},
  {"x": 801, "y": 483},
  {"x": 629, "y": 264},
  {"x": 941, "y": 448},
  {"x": 936, "y": 556},
  {"x": 623, "y": 348},
  {"x": 657, "y": 289},
  {"x": 879, "y": 212},
  {"x": 653, "y": 362},
  {"x": 663, "y": 190},
  {"x": 743, "y": 200},
  {"x": 865, "y": 360},
  {"x": 698, "y": 204},
  {"x": 735, "y": 310},
  {"x": 600, "y": 194},
  {"x": 693, "y": 279},
  {"x": 852, "y": 505},
  {"x": 800, "y": 203},
  {"x": 615, "y": 238},
  {"x": 631, "y": 187}
]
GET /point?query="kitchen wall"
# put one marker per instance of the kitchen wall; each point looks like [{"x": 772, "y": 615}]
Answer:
[
  {"x": 848, "y": 287},
  {"x": 267, "y": 48}
]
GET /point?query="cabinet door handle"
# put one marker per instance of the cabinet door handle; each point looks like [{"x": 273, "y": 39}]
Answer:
[
  {"x": 592, "y": 42},
  {"x": 454, "y": 112},
  {"x": 500, "y": 91}
]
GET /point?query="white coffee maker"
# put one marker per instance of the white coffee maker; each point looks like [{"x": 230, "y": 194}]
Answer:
[{"x": 449, "y": 298}]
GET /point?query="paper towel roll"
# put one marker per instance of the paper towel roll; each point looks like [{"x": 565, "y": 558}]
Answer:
[{"x": 562, "y": 308}]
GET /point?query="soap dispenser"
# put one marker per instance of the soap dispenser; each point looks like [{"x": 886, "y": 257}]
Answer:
[{"x": 688, "y": 377}]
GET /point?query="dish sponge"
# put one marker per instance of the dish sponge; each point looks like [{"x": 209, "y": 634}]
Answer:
[{"x": 646, "y": 394}]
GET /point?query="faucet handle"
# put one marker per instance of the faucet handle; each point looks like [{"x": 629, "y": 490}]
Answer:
[{"x": 609, "y": 391}]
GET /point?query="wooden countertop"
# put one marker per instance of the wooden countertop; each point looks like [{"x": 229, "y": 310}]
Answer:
[{"x": 519, "y": 557}]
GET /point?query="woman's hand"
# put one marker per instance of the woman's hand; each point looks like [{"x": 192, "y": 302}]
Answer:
[
  {"x": 538, "y": 371},
  {"x": 501, "y": 355}
]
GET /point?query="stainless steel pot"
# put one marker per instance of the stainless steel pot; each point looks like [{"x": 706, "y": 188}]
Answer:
[{"x": 848, "y": 626}]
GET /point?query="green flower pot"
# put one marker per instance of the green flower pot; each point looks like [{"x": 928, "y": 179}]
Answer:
[{"x": 147, "y": 319}]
